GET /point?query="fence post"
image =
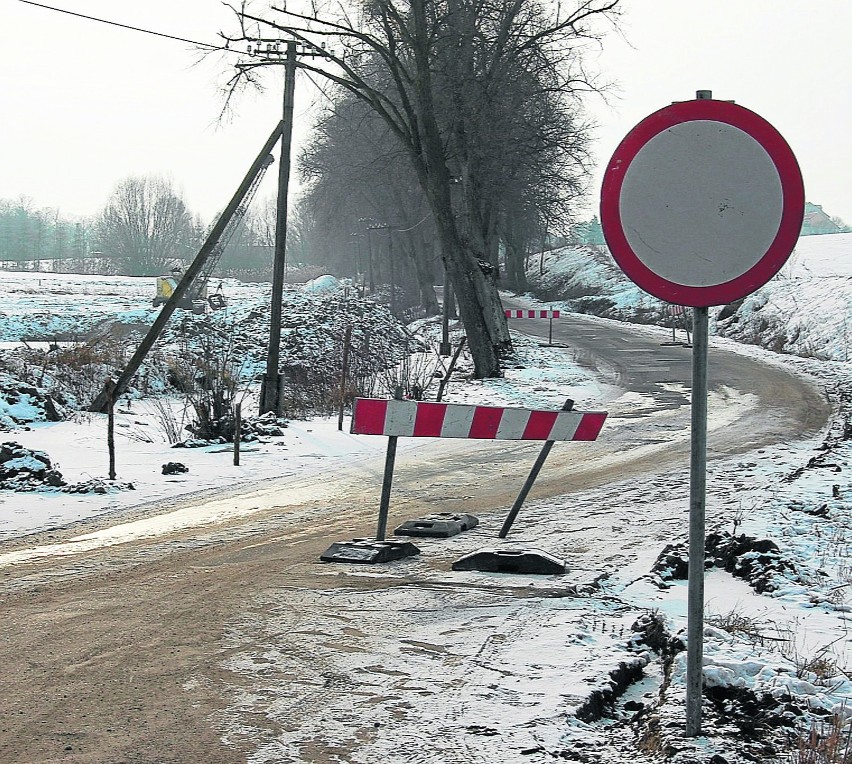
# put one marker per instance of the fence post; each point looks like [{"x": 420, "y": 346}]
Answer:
[
  {"x": 111, "y": 426},
  {"x": 347, "y": 342},
  {"x": 238, "y": 423}
]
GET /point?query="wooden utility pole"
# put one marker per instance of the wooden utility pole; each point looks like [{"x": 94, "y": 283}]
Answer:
[
  {"x": 111, "y": 427},
  {"x": 238, "y": 423},
  {"x": 270, "y": 387}
]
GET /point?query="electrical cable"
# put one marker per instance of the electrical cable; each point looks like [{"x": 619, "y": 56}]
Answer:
[{"x": 132, "y": 28}]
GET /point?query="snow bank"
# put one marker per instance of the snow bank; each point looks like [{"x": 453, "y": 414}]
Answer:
[
  {"x": 805, "y": 310},
  {"x": 322, "y": 285}
]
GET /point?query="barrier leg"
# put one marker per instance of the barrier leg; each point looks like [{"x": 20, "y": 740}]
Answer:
[
  {"x": 536, "y": 468},
  {"x": 387, "y": 481},
  {"x": 519, "y": 502}
]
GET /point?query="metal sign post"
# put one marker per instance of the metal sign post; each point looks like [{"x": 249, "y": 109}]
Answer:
[
  {"x": 701, "y": 204},
  {"x": 387, "y": 484},
  {"x": 697, "y": 499},
  {"x": 387, "y": 479}
]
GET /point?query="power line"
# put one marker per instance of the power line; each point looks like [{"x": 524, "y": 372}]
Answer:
[{"x": 132, "y": 28}]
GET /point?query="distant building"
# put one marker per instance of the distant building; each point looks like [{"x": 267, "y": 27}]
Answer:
[{"x": 817, "y": 221}]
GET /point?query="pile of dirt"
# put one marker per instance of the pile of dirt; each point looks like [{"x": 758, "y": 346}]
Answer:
[
  {"x": 24, "y": 470},
  {"x": 757, "y": 561}
]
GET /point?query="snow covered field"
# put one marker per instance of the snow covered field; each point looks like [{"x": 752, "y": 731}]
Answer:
[{"x": 545, "y": 655}]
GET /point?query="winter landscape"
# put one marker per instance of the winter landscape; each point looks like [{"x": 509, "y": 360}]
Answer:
[
  {"x": 587, "y": 666},
  {"x": 223, "y": 226}
]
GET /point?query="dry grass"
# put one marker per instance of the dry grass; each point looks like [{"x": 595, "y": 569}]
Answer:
[{"x": 824, "y": 742}]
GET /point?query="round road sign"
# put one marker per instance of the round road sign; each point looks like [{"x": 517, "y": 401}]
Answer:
[{"x": 702, "y": 203}]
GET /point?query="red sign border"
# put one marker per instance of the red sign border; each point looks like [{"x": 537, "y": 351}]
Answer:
[{"x": 792, "y": 213}]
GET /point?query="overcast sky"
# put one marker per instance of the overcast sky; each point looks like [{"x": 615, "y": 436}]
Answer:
[{"x": 84, "y": 104}]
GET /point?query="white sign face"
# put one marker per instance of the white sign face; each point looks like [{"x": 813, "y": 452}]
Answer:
[{"x": 702, "y": 203}]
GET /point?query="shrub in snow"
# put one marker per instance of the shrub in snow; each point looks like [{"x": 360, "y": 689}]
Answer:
[
  {"x": 96, "y": 485},
  {"x": 233, "y": 343}
]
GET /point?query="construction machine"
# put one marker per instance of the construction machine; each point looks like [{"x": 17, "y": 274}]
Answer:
[{"x": 195, "y": 298}]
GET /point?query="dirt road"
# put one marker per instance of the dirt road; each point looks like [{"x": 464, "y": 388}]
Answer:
[{"x": 233, "y": 643}]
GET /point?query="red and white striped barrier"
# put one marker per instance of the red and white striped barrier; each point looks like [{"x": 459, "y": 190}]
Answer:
[
  {"x": 420, "y": 419},
  {"x": 531, "y": 313}
]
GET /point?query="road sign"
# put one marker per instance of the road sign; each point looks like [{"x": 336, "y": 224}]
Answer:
[{"x": 702, "y": 203}]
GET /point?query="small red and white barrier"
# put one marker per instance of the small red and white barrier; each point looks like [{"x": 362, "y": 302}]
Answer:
[
  {"x": 537, "y": 313},
  {"x": 512, "y": 313},
  {"x": 678, "y": 312},
  {"x": 423, "y": 419}
]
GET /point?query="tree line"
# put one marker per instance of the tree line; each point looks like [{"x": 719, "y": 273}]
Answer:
[
  {"x": 29, "y": 235},
  {"x": 144, "y": 228}
]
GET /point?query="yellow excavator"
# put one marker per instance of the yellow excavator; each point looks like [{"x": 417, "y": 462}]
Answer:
[{"x": 196, "y": 298}]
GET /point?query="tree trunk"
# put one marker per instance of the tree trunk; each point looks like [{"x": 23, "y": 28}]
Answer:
[
  {"x": 516, "y": 274},
  {"x": 479, "y": 303},
  {"x": 516, "y": 257},
  {"x": 422, "y": 260}
]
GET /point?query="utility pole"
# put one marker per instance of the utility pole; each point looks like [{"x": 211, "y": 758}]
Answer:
[
  {"x": 270, "y": 389},
  {"x": 390, "y": 229},
  {"x": 392, "y": 273},
  {"x": 370, "y": 261},
  {"x": 446, "y": 308},
  {"x": 271, "y": 386}
]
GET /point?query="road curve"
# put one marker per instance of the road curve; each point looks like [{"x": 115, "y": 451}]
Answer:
[{"x": 116, "y": 654}]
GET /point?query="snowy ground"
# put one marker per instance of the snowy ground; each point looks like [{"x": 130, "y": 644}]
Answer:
[{"x": 544, "y": 655}]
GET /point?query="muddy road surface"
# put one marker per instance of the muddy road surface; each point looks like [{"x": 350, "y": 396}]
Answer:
[{"x": 153, "y": 641}]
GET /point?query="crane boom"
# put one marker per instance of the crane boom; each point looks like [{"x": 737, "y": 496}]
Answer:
[{"x": 230, "y": 229}]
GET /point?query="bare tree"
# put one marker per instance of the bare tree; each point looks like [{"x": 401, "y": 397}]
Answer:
[
  {"x": 358, "y": 176},
  {"x": 408, "y": 61},
  {"x": 145, "y": 226}
]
